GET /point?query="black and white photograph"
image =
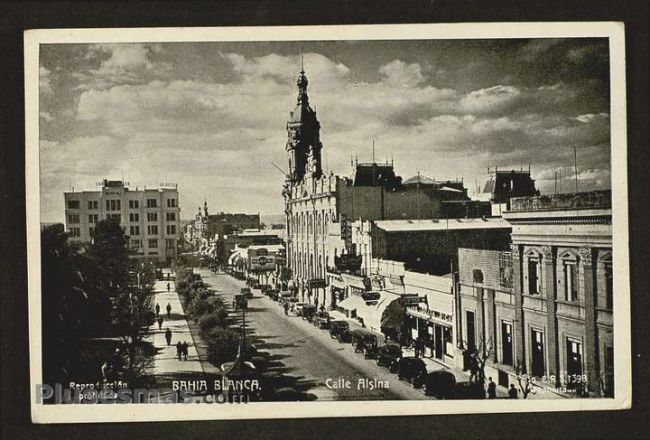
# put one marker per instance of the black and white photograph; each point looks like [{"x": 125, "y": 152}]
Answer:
[{"x": 298, "y": 221}]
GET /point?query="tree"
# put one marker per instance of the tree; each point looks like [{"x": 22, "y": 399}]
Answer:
[
  {"x": 478, "y": 358},
  {"x": 524, "y": 381}
]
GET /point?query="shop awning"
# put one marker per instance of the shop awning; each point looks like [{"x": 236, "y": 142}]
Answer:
[
  {"x": 353, "y": 302},
  {"x": 373, "y": 315}
]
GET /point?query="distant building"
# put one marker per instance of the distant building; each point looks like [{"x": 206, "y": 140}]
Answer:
[
  {"x": 503, "y": 185},
  {"x": 149, "y": 216},
  {"x": 545, "y": 307}
]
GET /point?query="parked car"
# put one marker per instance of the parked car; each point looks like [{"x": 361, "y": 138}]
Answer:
[
  {"x": 469, "y": 390},
  {"x": 439, "y": 384},
  {"x": 273, "y": 294},
  {"x": 364, "y": 341},
  {"x": 308, "y": 312},
  {"x": 265, "y": 287},
  {"x": 412, "y": 369},
  {"x": 321, "y": 320},
  {"x": 388, "y": 355},
  {"x": 247, "y": 292},
  {"x": 297, "y": 308},
  {"x": 340, "y": 330}
]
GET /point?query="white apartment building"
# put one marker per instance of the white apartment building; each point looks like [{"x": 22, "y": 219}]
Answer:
[{"x": 149, "y": 216}]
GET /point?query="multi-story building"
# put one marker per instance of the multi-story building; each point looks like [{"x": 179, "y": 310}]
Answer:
[
  {"x": 150, "y": 217},
  {"x": 544, "y": 308}
]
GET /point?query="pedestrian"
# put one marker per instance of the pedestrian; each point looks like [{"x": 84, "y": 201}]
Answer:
[
  {"x": 286, "y": 308},
  {"x": 167, "y": 287},
  {"x": 160, "y": 321},
  {"x": 184, "y": 349},
  {"x": 492, "y": 389},
  {"x": 473, "y": 368},
  {"x": 106, "y": 370},
  {"x": 512, "y": 392},
  {"x": 168, "y": 336},
  {"x": 157, "y": 309},
  {"x": 169, "y": 310},
  {"x": 117, "y": 361},
  {"x": 179, "y": 350}
]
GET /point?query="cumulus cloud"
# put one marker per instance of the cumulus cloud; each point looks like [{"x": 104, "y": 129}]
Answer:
[{"x": 212, "y": 134}]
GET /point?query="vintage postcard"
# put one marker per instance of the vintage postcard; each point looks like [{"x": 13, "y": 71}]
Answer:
[{"x": 279, "y": 222}]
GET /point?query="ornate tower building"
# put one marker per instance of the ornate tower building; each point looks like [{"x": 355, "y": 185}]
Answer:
[{"x": 303, "y": 144}]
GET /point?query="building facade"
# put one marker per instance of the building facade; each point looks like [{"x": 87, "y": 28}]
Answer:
[
  {"x": 544, "y": 308},
  {"x": 150, "y": 217}
]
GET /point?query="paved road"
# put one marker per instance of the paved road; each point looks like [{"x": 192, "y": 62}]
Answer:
[{"x": 307, "y": 359}]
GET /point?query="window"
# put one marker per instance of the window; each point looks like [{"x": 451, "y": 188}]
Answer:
[
  {"x": 171, "y": 203},
  {"x": 506, "y": 272},
  {"x": 73, "y": 204},
  {"x": 134, "y": 230},
  {"x": 153, "y": 243},
  {"x": 73, "y": 218},
  {"x": 570, "y": 281},
  {"x": 93, "y": 218},
  {"x": 91, "y": 231},
  {"x": 135, "y": 244},
  {"x": 152, "y": 203},
  {"x": 171, "y": 229},
  {"x": 170, "y": 243},
  {"x": 152, "y": 216},
  {"x": 93, "y": 204},
  {"x": 533, "y": 276},
  {"x": 75, "y": 232},
  {"x": 113, "y": 205},
  {"x": 134, "y": 217},
  {"x": 609, "y": 286},
  {"x": 171, "y": 216},
  {"x": 152, "y": 229},
  {"x": 117, "y": 218},
  {"x": 134, "y": 204},
  {"x": 506, "y": 343}
]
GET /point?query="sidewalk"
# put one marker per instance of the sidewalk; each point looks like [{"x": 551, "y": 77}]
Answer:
[{"x": 166, "y": 362}]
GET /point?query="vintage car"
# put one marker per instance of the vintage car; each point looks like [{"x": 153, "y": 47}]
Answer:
[
  {"x": 265, "y": 288},
  {"x": 412, "y": 369},
  {"x": 297, "y": 307},
  {"x": 364, "y": 341},
  {"x": 308, "y": 312},
  {"x": 340, "y": 330},
  {"x": 388, "y": 355},
  {"x": 286, "y": 296},
  {"x": 321, "y": 319},
  {"x": 247, "y": 292},
  {"x": 273, "y": 294},
  {"x": 240, "y": 302},
  {"x": 439, "y": 384},
  {"x": 469, "y": 390}
]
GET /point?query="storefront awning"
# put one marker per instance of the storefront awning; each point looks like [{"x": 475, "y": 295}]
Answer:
[
  {"x": 353, "y": 302},
  {"x": 373, "y": 315}
]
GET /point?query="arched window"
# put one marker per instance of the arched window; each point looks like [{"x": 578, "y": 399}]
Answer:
[
  {"x": 607, "y": 276},
  {"x": 533, "y": 272},
  {"x": 568, "y": 268},
  {"x": 477, "y": 275}
]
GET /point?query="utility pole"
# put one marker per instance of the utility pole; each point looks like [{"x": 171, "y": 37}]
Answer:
[{"x": 575, "y": 165}]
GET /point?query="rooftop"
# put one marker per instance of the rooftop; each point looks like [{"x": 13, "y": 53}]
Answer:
[
  {"x": 442, "y": 224},
  {"x": 555, "y": 202}
]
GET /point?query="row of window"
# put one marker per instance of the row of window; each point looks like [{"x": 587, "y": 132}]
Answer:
[
  {"x": 309, "y": 223},
  {"x": 152, "y": 230},
  {"x": 116, "y": 204},
  {"x": 152, "y": 243},
  {"x": 134, "y": 217}
]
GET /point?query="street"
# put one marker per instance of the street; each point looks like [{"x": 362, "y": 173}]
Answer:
[{"x": 306, "y": 358}]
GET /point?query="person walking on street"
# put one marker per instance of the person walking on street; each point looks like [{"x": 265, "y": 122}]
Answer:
[
  {"x": 167, "y": 287},
  {"x": 286, "y": 308},
  {"x": 169, "y": 310},
  {"x": 179, "y": 350},
  {"x": 160, "y": 321},
  {"x": 168, "y": 336},
  {"x": 492, "y": 389},
  {"x": 512, "y": 392},
  {"x": 184, "y": 349},
  {"x": 157, "y": 309}
]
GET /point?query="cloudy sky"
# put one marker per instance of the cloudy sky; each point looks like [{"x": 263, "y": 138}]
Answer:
[{"x": 211, "y": 116}]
